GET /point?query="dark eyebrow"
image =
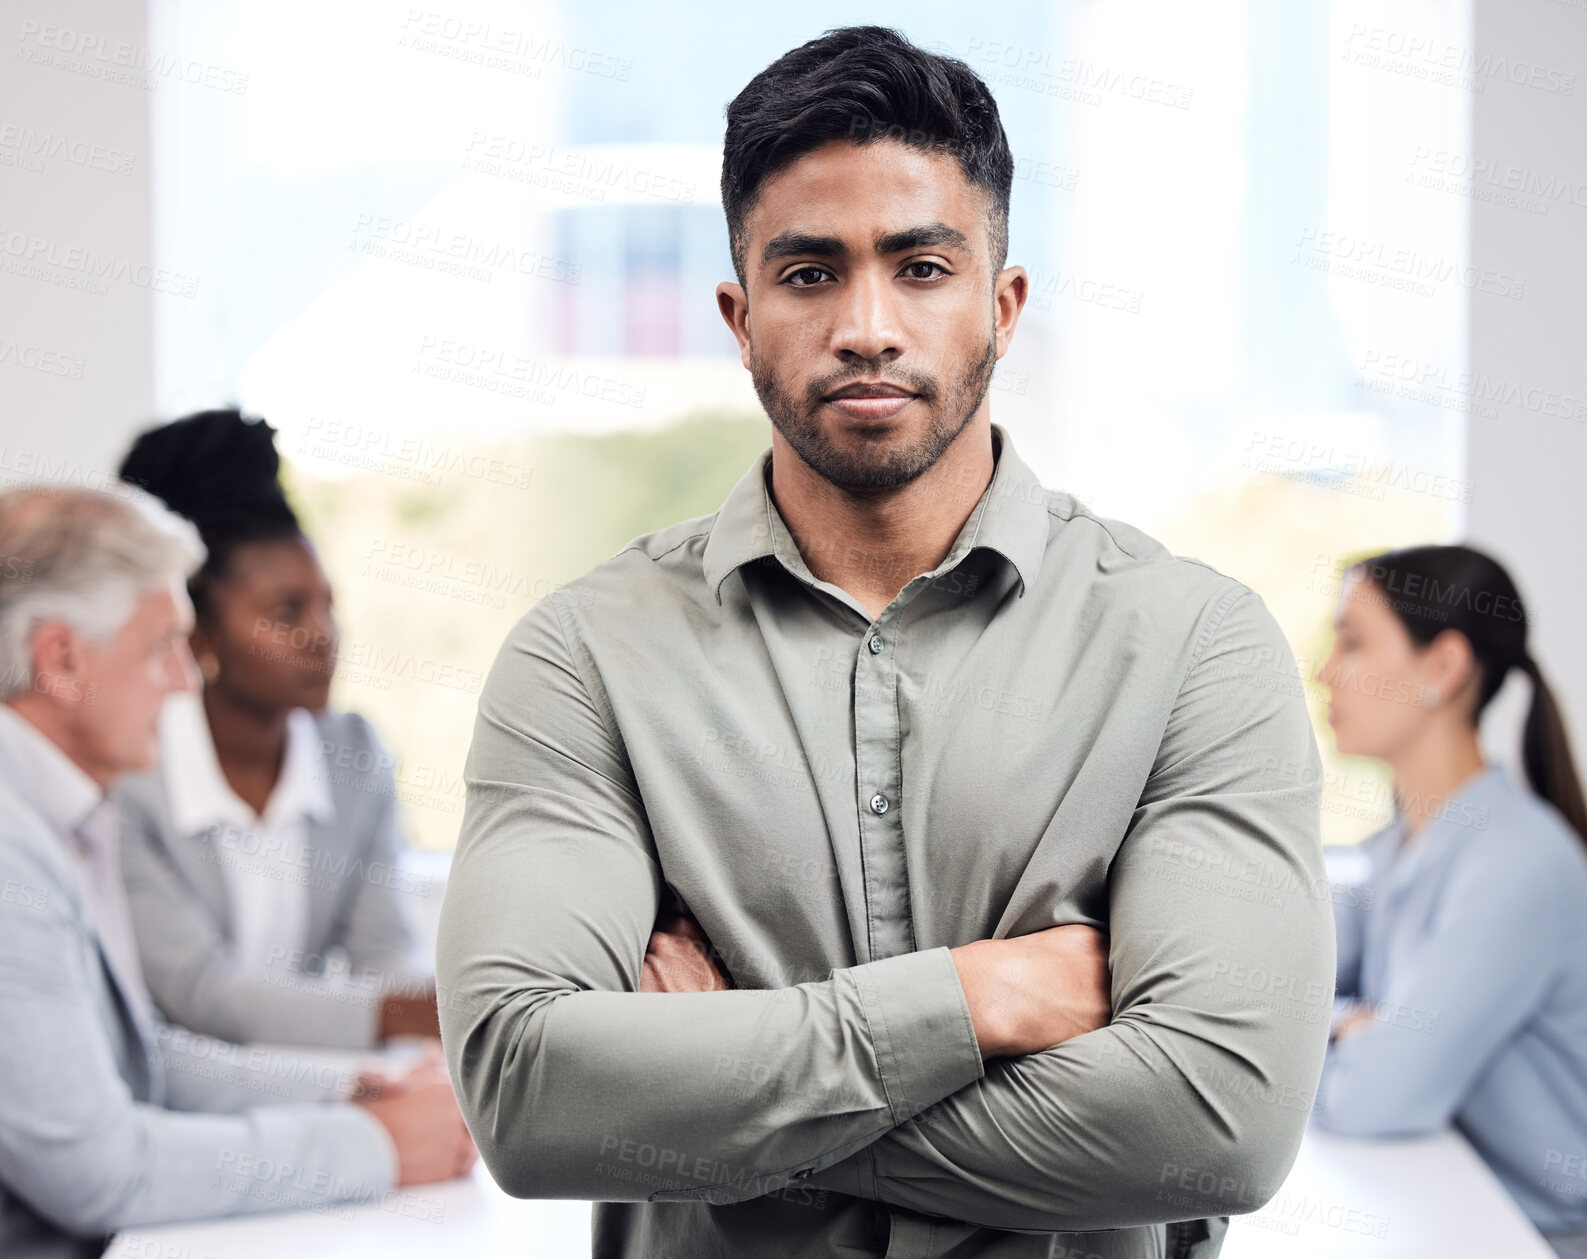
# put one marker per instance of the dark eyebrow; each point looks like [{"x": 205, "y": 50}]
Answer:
[{"x": 789, "y": 244}]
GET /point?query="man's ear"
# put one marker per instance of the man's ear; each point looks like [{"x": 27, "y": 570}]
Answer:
[
  {"x": 56, "y": 651},
  {"x": 732, "y": 301},
  {"x": 1009, "y": 294}
]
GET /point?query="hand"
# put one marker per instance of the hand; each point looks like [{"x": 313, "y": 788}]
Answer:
[
  {"x": 1032, "y": 992},
  {"x": 381, "y": 1078},
  {"x": 426, "y": 1127},
  {"x": 412, "y": 1014},
  {"x": 678, "y": 959}
]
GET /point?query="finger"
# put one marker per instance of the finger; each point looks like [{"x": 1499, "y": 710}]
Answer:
[
  {"x": 664, "y": 973},
  {"x": 689, "y": 947}
]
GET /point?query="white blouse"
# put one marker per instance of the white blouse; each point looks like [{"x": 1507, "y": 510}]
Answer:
[{"x": 264, "y": 857}]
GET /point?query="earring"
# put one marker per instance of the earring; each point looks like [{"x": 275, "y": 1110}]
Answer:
[{"x": 209, "y": 666}]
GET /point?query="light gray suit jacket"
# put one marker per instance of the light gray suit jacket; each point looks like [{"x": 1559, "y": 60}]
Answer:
[
  {"x": 358, "y": 895},
  {"x": 96, "y": 1133}
]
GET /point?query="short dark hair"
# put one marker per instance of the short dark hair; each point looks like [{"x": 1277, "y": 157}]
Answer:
[{"x": 863, "y": 84}]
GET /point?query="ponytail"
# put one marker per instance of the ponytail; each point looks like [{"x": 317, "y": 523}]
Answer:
[{"x": 1546, "y": 753}]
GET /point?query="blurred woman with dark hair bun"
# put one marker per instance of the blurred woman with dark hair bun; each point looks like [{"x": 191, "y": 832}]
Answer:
[
  {"x": 1462, "y": 958},
  {"x": 262, "y": 857}
]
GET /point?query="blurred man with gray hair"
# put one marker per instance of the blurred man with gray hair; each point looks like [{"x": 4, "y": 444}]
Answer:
[{"x": 110, "y": 1118}]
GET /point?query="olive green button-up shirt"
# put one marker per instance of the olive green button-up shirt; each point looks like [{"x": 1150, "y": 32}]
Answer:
[{"x": 1061, "y": 723}]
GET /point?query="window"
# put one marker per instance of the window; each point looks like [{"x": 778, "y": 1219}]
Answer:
[{"x": 464, "y": 260}]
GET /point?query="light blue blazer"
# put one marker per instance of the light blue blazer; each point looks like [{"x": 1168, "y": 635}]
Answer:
[
  {"x": 110, "y": 1121},
  {"x": 1472, "y": 949}
]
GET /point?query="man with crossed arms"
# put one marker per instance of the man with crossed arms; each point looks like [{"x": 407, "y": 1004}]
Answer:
[{"x": 899, "y": 734}]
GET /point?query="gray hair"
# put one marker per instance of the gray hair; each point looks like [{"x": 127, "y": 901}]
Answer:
[{"x": 83, "y": 557}]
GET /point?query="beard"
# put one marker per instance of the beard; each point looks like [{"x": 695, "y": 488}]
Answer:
[{"x": 880, "y": 463}]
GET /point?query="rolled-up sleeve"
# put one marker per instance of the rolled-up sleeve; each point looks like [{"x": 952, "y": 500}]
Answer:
[
  {"x": 566, "y": 1072},
  {"x": 1193, "y": 1100}
]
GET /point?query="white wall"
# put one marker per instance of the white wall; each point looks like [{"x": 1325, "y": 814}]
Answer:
[
  {"x": 1529, "y": 467},
  {"x": 76, "y": 367}
]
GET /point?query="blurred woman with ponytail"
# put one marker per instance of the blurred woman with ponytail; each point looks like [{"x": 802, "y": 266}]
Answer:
[
  {"x": 262, "y": 856},
  {"x": 1462, "y": 958}
]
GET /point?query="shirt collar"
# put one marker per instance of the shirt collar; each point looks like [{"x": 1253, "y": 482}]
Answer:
[
  {"x": 1010, "y": 518},
  {"x": 201, "y": 798},
  {"x": 56, "y": 785}
]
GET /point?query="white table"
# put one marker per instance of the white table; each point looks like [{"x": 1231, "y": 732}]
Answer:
[
  {"x": 1406, "y": 1199},
  {"x": 471, "y": 1218},
  {"x": 1431, "y": 1196}
]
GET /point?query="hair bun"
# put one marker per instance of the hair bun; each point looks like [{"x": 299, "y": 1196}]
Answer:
[{"x": 218, "y": 469}]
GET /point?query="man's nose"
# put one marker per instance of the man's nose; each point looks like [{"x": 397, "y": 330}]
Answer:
[{"x": 868, "y": 325}]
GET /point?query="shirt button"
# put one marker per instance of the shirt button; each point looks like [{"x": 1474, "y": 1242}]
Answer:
[
  {"x": 878, "y": 803},
  {"x": 876, "y": 644}
]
